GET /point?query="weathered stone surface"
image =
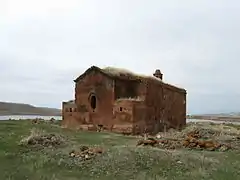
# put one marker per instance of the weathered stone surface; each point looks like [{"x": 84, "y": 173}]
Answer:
[{"x": 124, "y": 102}]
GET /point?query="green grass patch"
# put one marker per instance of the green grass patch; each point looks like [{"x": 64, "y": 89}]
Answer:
[{"x": 120, "y": 160}]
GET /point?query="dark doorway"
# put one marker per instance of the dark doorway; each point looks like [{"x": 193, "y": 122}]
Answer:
[{"x": 93, "y": 102}]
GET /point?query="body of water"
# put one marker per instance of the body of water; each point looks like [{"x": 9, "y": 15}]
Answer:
[
  {"x": 18, "y": 117},
  {"x": 211, "y": 121}
]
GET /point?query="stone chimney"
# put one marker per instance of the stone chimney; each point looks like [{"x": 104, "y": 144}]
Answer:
[{"x": 158, "y": 74}]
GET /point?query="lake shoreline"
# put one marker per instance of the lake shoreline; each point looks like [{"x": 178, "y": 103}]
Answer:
[
  {"x": 189, "y": 120},
  {"x": 24, "y": 117}
]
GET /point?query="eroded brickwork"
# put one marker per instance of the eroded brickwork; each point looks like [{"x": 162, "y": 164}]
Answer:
[
  {"x": 69, "y": 114},
  {"x": 165, "y": 107},
  {"x": 124, "y": 103},
  {"x": 94, "y": 99}
]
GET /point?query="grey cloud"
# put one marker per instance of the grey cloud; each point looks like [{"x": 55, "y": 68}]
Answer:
[{"x": 194, "y": 43}]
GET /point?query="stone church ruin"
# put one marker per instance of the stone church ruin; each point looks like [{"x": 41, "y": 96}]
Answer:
[{"x": 121, "y": 101}]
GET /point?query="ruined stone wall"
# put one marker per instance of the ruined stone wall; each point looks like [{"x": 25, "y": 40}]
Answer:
[
  {"x": 129, "y": 98},
  {"x": 139, "y": 118},
  {"x": 129, "y": 116},
  {"x": 165, "y": 106},
  {"x": 96, "y": 86},
  {"x": 129, "y": 89},
  {"x": 125, "y": 105},
  {"x": 69, "y": 114}
]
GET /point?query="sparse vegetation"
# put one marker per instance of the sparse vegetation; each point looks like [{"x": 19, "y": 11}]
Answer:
[
  {"x": 124, "y": 72},
  {"x": 119, "y": 158}
]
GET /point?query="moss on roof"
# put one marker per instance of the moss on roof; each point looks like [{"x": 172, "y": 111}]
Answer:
[
  {"x": 124, "y": 72},
  {"x": 120, "y": 72},
  {"x": 127, "y": 75}
]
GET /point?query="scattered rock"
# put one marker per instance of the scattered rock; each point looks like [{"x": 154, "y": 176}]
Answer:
[
  {"x": 179, "y": 162},
  {"x": 149, "y": 141},
  {"x": 44, "y": 140},
  {"x": 52, "y": 120},
  {"x": 195, "y": 139},
  {"x": 84, "y": 148},
  {"x": 72, "y": 154},
  {"x": 224, "y": 148},
  {"x": 158, "y": 136},
  {"x": 86, "y": 153},
  {"x": 35, "y": 121}
]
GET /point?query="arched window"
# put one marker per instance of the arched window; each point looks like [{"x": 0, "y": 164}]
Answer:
[{"x": 93, "y": 102}]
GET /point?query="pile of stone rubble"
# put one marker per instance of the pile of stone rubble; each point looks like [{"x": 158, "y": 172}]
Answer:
[
  {"x": 85, "y": 152},
  {"x": 44, "y": 140},
  {"x": 195, "y": 139}
]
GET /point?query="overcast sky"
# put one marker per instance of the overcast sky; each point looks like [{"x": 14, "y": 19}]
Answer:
[{"x": 45, "y": 44}]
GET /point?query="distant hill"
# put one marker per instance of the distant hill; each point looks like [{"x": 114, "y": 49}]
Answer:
[
  {"x": 231, "y": 117},
  {"x": 7, "y": 108},
  {"x": 231, "y": 114}
]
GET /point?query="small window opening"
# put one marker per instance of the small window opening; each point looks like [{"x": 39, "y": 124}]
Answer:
[
  {"x": 70, "y": 109},
  {"x": 120, "y": 109},
  {"x": 93, "y": 102}
]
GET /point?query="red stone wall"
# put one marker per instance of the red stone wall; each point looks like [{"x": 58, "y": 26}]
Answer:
[
  {"x": 129, "y": 116},
  {"x": 122, "y": 105},
  {"x": 165, "y": 105},
  {"x": 69, "y": 114},
  {"x": 122, "y": 116},
  {"x": 129, "y": 89},
  {"x": 139, "y": 118},
  {"x": 101, "y": 87}
]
